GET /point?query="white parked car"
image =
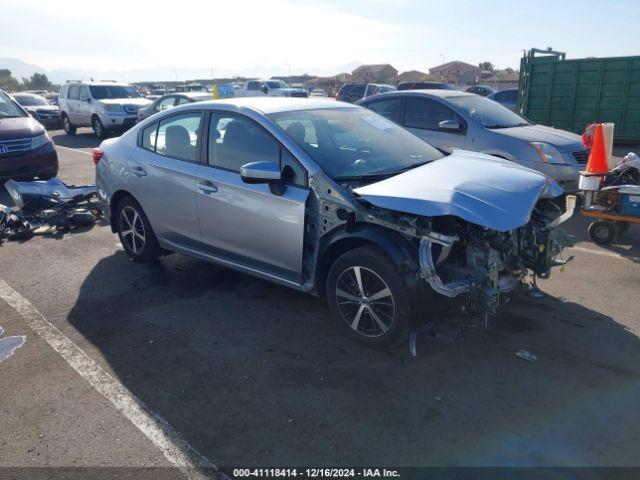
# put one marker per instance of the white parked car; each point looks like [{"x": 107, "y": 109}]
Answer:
[
  {"x": 318, "y": 93},
  {"x": 104, "y": 106},
  {"x": 271, "y": 88}
]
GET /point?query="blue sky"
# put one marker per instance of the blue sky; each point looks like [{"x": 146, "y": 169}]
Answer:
[{"x": 304, "y": 34}]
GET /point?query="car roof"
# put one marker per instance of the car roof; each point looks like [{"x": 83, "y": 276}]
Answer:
[
  {"x": 97, "y": 82},
  {"x": 195, "y": 95},
  {"x": 268, "y": 105},
  {"x": 426, "y": 93},
  {"x": 26, "y": 94}
]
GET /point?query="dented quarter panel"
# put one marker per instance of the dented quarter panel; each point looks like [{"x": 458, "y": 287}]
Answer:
[{"x": 480, "y": 189}]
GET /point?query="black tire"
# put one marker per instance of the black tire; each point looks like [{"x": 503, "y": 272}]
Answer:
[
  {"x": 98, "y": 128},
  {"x": 352, "y": 302},
  {"x": 69, "y": 129},
  {"x": 602, "y": 232},
  {"x": 139, "y": 241}
]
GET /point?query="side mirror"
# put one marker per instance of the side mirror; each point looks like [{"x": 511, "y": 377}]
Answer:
[
  {"x": 260, "y": 172},
  {"x": 88, "y": 100},
  {"x": 264, "y": 89},
  {"x": 452, "y": 125}
]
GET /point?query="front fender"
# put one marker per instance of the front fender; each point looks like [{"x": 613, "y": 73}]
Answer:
[{"x": 400, "y": 250}]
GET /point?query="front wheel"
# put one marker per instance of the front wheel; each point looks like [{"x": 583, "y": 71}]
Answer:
[
  {"x": 368, "y": 297},
  {"x": 98, "y": 128},
  {"x": 69, "y": 129},
  {"x": 602, "y": 232},
  {"x": 135, "y": 232}
]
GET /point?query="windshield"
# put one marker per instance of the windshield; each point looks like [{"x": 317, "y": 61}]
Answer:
[
  {"x": 276, "y": 84},
  {"x": 354, "y": 143},
  {"x": 30, "y": 100},
  {"x": 100, "y": 92},
  {"x": 488, "y": 113},
  {"x": 8, "y": 108}
]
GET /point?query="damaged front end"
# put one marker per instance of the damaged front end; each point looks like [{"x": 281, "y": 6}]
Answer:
[
  {"x": 481, "y": 225},
  {"x": 481, "y": 264}
]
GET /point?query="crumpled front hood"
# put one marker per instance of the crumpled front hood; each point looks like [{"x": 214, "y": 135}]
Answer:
[
  {"x": 478, "y": 188},
  {"x": 561, "y": 139}
]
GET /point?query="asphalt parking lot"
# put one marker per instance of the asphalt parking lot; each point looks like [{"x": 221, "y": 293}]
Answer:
[{"x": 249, "y": 373}]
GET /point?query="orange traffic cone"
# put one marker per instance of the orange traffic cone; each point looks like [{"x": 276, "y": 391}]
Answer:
[{"x": 597, "y": 163}]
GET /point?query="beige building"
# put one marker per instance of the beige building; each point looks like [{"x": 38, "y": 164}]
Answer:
[
  {"x": 383, "y": 73},
  {"x": 412, "y": 76},
  {"x": 457, "y": 72}
]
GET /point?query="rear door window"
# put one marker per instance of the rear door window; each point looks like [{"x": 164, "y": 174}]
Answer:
[
  {"x": 178, "y": 136},
  {"x": 165, "y": 103},
  {"x": 149, "y": 135}
]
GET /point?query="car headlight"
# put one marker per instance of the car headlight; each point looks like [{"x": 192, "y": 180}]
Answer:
[
  {"x": 40, "y": 141},
  {"x": 113, "y": 108},
  {"x": 548, "y": 153}
]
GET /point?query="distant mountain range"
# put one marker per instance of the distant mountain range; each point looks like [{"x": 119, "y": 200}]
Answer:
[{"x": 21, "y": 69}]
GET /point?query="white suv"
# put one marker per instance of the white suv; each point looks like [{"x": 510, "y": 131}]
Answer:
[{"x": 103, "y": 106}]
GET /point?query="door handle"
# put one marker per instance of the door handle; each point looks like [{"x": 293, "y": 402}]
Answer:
[
  {"x": 138, "y": 171},
  {"x": 207, "y": 187}
]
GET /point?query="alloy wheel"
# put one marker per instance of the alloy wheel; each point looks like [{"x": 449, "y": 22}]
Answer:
[
  {"x": 365, "y": 301},
  {"x": 132, "y": 230}
]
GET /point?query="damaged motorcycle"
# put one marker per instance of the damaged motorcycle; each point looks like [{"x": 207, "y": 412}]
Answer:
[{"x": 46, "y": 206}]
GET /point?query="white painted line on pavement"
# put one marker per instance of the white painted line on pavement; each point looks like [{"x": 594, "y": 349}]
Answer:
[
  {"x": 604, "y": 253},
  {"x": 153, "y": 426},
  {"x": 74, "y": 150}
]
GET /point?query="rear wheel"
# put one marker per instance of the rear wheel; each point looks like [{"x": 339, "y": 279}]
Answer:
[
  {"x": 602, "y": 232},
  {"x": 368, "y": 297},
  {"x": 135, "y": 232},
  {"x": 69, "y": 129}
]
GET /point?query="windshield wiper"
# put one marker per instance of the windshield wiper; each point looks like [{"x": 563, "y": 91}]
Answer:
[
  {"x": 493, "y": 127},
  {"x": 382, "y": 175},
  {"x": 368, "y": 176}
]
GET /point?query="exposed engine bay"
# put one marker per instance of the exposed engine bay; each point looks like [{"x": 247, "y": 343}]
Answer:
[{"x": 458, "y": 258}]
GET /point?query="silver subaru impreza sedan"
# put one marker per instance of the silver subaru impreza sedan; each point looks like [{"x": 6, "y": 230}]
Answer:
[{"x": 331, "y": 199}]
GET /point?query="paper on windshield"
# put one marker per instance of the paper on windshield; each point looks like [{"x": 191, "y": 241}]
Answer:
[{"x": 378, "y": 122}]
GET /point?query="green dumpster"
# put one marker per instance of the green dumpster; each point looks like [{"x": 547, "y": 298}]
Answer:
[{"x": 570, "y": 94}]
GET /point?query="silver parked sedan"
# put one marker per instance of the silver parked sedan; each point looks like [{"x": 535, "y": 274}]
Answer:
[
  {"x": 171, "y": 100},
  {"x": 453, "y": 120},
  {"x": 333, "y": 199}
]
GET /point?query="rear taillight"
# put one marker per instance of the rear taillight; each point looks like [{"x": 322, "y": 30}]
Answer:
[{"x": 97, "y": 155}]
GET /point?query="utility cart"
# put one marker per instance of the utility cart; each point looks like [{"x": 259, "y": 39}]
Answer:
[{"x": 613, "y": 209}]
